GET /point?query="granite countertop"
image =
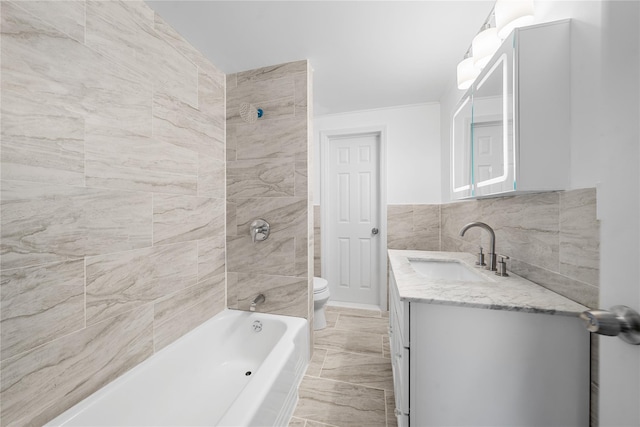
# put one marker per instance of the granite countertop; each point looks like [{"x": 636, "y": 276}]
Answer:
[{"x": 512, "y": 293}]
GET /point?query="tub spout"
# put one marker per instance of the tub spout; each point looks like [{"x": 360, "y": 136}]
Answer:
[{"x": 258, "y": 300}]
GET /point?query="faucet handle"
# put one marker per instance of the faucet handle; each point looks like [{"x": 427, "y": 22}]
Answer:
[
  {"x": 502, "y": 265},
  {"x": 480, "y": 260},
  {"x": 259, "y": 230}
]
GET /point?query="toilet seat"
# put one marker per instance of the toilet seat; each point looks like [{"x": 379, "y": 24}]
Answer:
[{"x": 319, "y": 285}]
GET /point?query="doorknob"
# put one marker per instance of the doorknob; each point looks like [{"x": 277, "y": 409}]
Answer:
[
  {"x": 620, "y": 321},
  {"x": 374, "y": 230}
]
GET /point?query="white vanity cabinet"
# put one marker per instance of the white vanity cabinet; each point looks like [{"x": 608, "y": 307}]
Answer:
[
  {"x": 459, "y": 365},
  {"x": 399, "y": 345},
  {"x": 511, "y": 129}
]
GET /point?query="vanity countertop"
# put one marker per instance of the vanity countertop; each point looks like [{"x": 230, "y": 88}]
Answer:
[{"x": 512, "y": 293}]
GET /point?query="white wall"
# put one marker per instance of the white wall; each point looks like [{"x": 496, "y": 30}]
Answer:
[
  {"x": 586, "y": 151},
  {"x": 413, "y": 149}
]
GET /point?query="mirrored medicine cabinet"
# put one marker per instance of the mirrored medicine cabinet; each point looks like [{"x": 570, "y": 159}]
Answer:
[{"x": 511, "y": 129}]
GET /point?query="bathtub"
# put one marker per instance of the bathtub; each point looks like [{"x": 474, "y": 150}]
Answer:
[{"x": 236, "y": 369}]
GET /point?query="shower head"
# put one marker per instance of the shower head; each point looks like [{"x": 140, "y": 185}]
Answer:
[{"x": 249, "y": 113}]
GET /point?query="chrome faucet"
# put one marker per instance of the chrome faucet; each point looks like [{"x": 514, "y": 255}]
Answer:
[
  {"x": 259, "y": 230},
  {"x": 257, "y": 300},
  {"x": 492, "y": 250}
]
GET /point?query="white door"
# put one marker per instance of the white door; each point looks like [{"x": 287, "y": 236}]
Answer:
[
  {"x": 353, "y": 223},
  {"x": 619, "y": 208}
]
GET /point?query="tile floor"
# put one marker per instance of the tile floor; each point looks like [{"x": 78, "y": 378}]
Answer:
[{"x": 349, "y": 380}]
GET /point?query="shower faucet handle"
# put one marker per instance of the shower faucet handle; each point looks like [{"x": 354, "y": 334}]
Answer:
[{"x": 259, "y": 230}]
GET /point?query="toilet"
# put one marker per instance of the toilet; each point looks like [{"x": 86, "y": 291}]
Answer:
[{"x": 320, "y": 298}]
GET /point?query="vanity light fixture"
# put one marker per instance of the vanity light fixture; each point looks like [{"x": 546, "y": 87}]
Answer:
[
  {"x": 511, "y": 14},
  {"x": 484, "y": 45},
  {"x": 467, "y": 72}
]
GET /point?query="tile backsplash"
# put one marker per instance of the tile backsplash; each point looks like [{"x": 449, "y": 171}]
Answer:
[
  {"x": 551, "y": 238},
  {"x": 112, "y": 202}
]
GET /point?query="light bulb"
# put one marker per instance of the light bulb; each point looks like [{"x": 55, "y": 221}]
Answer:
[
  {"x": 467, "y": 73},
  {"x": 484, "y": 45},
  {"x": 511, "y": 14}
]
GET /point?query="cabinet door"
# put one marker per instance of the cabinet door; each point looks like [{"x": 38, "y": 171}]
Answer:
[
  {"x": 492, "y": 130},
  {"x": 461, "y": 152}
]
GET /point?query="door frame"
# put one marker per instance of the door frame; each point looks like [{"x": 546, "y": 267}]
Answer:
[{"x": 325, "y": 139}]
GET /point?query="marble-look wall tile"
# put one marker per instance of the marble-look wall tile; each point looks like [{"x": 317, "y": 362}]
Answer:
[
  {"x": 212, "y": 97},
  {"x": 580, "y": 236},
  {"x": 232, "y": 222},
  {"x": 120, "y": 282},
  {"x": 287, "y": 216},
  {"x": 66, "y": 16},
  {"x": 115, "y": 32},
  {"x": 426, "y": 222},
  {"x": 41, "y": 138},
  {"x": 49, "y": 379},
  {"x": 302, "y": 177},
  {"x": 49, "y": 223},
  {"x": 105, "y": 110},
  {"x": 300, "y": 93},
  {"x": 454, "y": 217},
  {"x": 273, "y": 72},
  {"x": 274, "y": 96},
  {"x": 231, "y": 146},
  {"x": 303, "y": 253},
  {"x": 171, "y": 36},
  {"x": 179, "y": 218},
  {"x": 52, "y": 149},
  {"x": 276, "y": 255},
  {"x": 39, "y": 304},
  {"x": 232, "y": 290},
  {"x": 283, "y": 294},
  {"x": 413, "y": 227},
  {"x": 180, "y": 124},
  {"x": 580, "y": 292},
  {"x": 267, "y": 177},
  {"x": 180, "y": 312},
  {"x": 131, "y": 162},
  {"x": 271, "y": 139},
  {"x": 526, "y": 227},
  {"x": 211, "y": 257},
  {"x": 211, "y": 177},
  {"x": 261, "y": 178}
]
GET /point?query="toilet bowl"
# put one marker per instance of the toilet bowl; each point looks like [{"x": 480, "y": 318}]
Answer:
[{"x": 320, "y": 298}]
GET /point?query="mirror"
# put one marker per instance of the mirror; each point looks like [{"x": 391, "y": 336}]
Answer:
[
  {"x": 461, "y": 153},
  {"x": 492, "y": 131}
]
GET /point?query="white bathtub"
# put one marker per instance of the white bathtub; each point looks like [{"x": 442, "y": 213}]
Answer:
[{"x": 223, "y": 373}]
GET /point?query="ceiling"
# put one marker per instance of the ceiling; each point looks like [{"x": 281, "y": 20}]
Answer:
[{"x": 365, "y": 54}]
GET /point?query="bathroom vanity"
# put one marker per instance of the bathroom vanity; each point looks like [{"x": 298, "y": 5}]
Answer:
[{"x": 470, "y": 348}]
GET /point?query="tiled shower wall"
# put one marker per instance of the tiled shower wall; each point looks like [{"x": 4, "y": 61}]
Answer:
[
  {"x": 112, "y": 242},
  {"x": 267, "y": 177}
]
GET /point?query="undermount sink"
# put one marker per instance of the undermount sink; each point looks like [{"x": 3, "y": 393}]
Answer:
[{"x": 437, "y": 269}]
